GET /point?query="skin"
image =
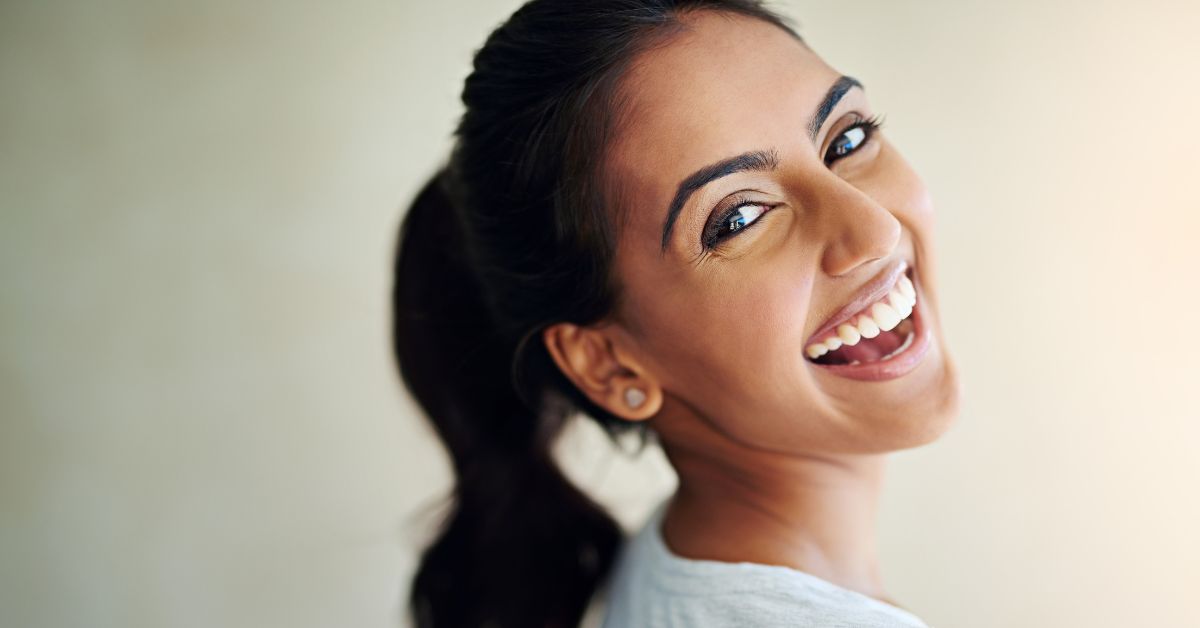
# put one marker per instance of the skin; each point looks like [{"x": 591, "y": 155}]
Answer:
[{"x": 779, "y": 461}]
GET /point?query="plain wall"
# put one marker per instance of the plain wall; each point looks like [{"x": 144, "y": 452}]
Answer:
[{"x": 201, "y": 425}]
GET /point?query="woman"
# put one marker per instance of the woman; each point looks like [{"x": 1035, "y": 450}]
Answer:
[{"x": 676, "y": 218}]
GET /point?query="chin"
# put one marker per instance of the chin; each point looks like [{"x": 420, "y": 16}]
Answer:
[
  {"x": 926, "y": 424},
  {"x": 914, "y": 419}
]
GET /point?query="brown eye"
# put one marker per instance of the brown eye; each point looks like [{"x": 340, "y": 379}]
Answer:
[
  {"x": 740, "y": 217},
  {"x": 848, "y": 141},
  {"x": 735, "y": 220},
  {"x": 853, "y": 138}
]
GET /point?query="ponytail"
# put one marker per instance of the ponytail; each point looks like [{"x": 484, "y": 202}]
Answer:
[
  {"x": 519, "y": 231},
  {"x": 521, "y": 545}
]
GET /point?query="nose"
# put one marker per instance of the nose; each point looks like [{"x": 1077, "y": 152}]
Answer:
[{"x": 856, "y": 229}]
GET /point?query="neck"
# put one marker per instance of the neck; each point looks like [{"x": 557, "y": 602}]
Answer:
[{"x": 814, "y": 513}]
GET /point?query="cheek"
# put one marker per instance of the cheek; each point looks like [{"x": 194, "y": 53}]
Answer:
[
  {"x": 897, "y": 186},
  {"x": 755, "y": 315},
  {"x": 757, "y": 386},
  {"x": 777, "y": 302},
  {"x": 733, "y": 338}
]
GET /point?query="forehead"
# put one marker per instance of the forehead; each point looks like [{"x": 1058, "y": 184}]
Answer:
[{"x": 724, "y": 85}]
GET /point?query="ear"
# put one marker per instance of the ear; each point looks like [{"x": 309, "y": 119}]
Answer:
[{"x": 603, "y": 370}]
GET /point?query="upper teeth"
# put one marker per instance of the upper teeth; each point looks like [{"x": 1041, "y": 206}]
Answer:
[{"x": 883, "y": 315}]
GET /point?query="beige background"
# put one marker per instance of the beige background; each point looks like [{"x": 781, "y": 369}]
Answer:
[{"x": 201, "y": 426}]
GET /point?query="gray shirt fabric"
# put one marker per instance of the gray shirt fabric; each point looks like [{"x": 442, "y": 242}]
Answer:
[{"x": 651, "y": 587}]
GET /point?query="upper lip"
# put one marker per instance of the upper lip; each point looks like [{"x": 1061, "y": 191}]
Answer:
[{"x": 873, "y": 291}]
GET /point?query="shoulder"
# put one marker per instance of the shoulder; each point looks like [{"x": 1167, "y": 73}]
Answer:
[
  {"x": 657, "y": 608},
  {"x": 645, "y": 594},
  {"x": 652, "y": 588}
]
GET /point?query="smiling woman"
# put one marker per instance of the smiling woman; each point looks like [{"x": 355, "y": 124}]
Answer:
[{"x": 711, "y": 243}]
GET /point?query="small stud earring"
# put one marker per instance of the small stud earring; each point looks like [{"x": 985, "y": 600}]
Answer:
[{"x": 634, "y": 397}]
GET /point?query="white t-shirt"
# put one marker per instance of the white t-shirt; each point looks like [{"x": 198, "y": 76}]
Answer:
[{"x": 651, "y": 587}]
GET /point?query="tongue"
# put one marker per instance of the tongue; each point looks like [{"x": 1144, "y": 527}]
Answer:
[{"x": 867, "y": 349}]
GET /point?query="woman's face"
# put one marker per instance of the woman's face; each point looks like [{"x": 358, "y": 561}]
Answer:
[{"x": 766, "y": 251}]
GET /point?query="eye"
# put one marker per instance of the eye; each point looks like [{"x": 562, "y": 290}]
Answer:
[
  {"x": 740, "y": 216},
  {"x": 853, "y": 138}
]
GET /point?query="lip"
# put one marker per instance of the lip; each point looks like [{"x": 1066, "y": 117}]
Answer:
[
  {"x": 875, "y": 290},
  {"x": 897, "y": 365}
]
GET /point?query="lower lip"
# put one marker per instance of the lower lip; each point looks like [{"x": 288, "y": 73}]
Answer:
[{"x": 897, "y": 366}]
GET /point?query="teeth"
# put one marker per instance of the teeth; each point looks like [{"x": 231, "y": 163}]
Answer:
[
  {"x": 900, "y": 303},
  {"x": 867, "y": 326},
  {"x": 849, "y": 334},
  {"x": 880, "y": 317},
  {"x": 906, "y": 288},
  {"x": 885, "y": 316}
]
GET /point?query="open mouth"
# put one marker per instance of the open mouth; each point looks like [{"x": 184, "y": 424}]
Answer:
[{"x": 879, "y": 332}]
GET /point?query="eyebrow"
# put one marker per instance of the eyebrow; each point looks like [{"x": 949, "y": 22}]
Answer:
[{"x": 753, "y": 161}]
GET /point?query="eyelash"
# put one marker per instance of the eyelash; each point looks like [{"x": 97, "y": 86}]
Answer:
[
  {"x": 712, "y": 236},
  {"x": 869, "y": 126}
]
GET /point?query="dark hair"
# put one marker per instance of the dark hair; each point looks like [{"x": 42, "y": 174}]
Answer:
[{"x": 517, "y": 232}]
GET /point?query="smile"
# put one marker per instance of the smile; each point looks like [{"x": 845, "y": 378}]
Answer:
[{"x": 884, "y": 339}]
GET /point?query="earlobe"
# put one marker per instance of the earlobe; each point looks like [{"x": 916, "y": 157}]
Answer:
[
  {"x": 612, "y": 379},
  {"x": 641, "y": 401},
  {"x": 634, "y": 397}
]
